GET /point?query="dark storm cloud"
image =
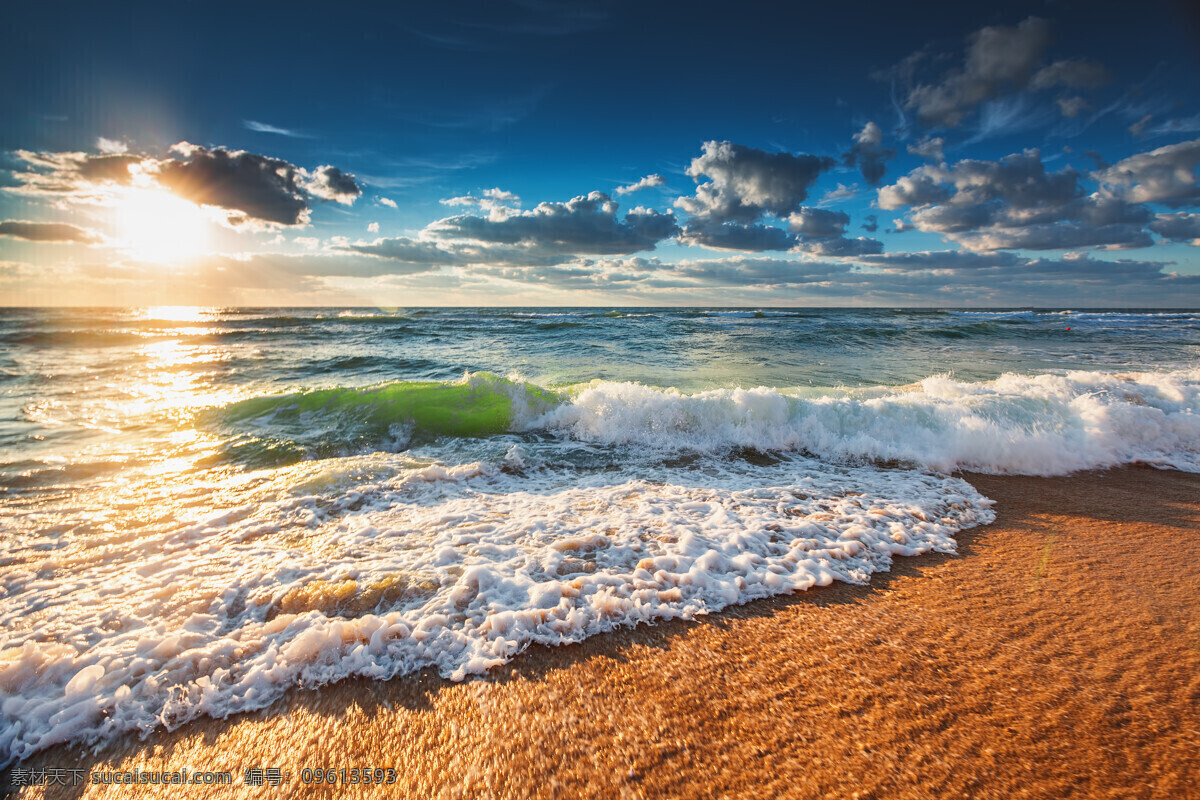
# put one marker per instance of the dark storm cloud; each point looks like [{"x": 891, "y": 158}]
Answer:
[
  {"x": 586, "y": 224},
  {"x": 48, "y": 232},
  {"x": 1181, "y": 227},
  {"x": 869, "y": 154},
  {"x": 1000, "y": 60},
  {"x": 745, "y": 183}
]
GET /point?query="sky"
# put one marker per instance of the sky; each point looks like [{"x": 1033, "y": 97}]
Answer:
[{"x": 582, "y": 153}]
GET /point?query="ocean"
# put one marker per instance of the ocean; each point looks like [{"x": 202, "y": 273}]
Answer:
[{"x": 202, "y": 508}]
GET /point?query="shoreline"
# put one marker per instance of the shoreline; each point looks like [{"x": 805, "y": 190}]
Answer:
[{"x": 1057, "y": 655}]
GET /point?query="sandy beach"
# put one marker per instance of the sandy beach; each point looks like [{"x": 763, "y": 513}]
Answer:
[{"x": 1058, "y": 655}]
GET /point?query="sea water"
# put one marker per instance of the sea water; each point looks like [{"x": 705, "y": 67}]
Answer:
[{"x": 201, "y": 508}]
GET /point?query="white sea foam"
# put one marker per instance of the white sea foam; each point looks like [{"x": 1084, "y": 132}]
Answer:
[
  {"x": 623, "y": 504},
  {"x": 1043, "y": 425},
  {"x": 321, "y": 573}
]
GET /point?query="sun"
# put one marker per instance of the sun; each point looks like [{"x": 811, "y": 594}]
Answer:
[{"x": 159, "y": 226}]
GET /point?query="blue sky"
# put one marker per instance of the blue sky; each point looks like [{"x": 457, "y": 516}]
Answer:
[{"x": 589, "y": 153}]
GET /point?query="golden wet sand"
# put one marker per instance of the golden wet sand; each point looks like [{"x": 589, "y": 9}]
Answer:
[{"x": 1058, "y": 655}]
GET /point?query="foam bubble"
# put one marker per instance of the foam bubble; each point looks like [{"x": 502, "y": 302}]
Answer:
[{"x": 310, "y": 578}]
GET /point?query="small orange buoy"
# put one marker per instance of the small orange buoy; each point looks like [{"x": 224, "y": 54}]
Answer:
[{"x": 1068, "y": 327}]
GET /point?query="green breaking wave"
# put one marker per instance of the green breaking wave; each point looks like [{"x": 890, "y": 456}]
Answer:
[{"x": 329, "y": 422}]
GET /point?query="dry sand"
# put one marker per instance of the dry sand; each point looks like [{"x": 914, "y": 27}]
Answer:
[{"x": 1058, "y": 655}]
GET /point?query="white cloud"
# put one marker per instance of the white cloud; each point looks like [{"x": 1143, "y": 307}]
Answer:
[
  {"x": 645, "y": 183},
  {"x": 745, "y": 183},
  {"x": 111, "y": 146},
  {"x": 1166, "y": 175}
]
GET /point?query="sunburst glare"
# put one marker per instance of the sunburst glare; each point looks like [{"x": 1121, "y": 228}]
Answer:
[{"x": 158, "y": 226}]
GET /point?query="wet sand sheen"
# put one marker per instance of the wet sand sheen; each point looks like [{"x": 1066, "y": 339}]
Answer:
[{"x": 1057, "y": 656}]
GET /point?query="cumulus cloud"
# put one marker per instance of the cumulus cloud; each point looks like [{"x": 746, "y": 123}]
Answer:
[
  {"x": 330, "y": 183},
  {"x": 920, "y": 187},
  {"x": 1181, "y": 227},
  {"x": 732, "y": 236},
  {"x": 1058, "y": 236},
  {"x": 1016, "y": 203},
  {"x": 839, "y": 247},
  {"x": 111, "y": 146},
  {"x": 387, "y": 201},
  {"x": 373, "y": 227},
  {"x": 816, "y": 231},
  {"x": 429, "y": 254},
  {"x": 645, "y": 183},
  {"x": 819, "y": 222},
  {"x": 1166, "y": 175},
  {"x": 413, "y": 252},
  {"x": 48, "y": 232},
  {"x": 73, "y": 174},
  {"x": 491, "y": 199},
  {"x": 249, "y": 188},
  {"x": 745, "y": 183},
  {"x": 585, "y": 224},
  {"x": 871, "y": 223},
  {"x": 869, "y": 154}
]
